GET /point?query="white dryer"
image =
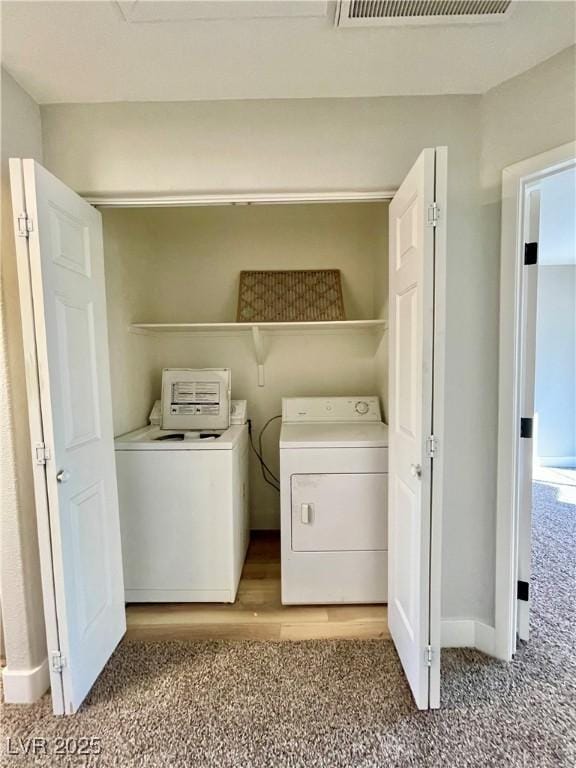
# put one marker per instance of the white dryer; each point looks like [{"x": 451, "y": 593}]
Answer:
[{"x": 334, "y": 489}]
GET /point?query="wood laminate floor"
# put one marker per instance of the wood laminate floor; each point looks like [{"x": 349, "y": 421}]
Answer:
[{"x": 257, "y": 613}]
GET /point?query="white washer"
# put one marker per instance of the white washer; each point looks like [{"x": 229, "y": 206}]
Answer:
[
  {"x": 334, "y": 489},
  {"x": 183, "y": 513}
]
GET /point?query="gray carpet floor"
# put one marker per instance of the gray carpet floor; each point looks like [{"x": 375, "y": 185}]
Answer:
[{"x": 335, "y": 704}]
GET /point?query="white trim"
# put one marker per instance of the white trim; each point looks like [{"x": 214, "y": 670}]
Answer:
[
  {"x": 241, "y": 327},
  {"x": 484, "y": 638},
  {"x": 25, "y": 686},
  {"x": 376, "y": 331},
  {"x": 180, "y": 596},
  {"x": 515, "y": 179},
  {"x": 36, "y": 427},
  {"x": 457, "y": 633},
  {"x": 130, "y": 200},
  {"x": 468, "y": 633}
]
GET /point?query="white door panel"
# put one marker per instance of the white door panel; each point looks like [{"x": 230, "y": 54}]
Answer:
[
  {"x": 66, "y": 279},
  {"x": 411, "y": 327},
  {"x": 405, "y": 567}
]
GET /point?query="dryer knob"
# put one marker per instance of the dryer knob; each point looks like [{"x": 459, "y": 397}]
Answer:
[{"x": 362, "y": 407}]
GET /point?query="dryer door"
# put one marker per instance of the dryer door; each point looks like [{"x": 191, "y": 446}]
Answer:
[{"x": 339, "y": 512}]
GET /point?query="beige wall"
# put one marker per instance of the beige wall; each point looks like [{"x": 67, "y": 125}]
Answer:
[
  {"x": 21, "y": 595},
  {"x": 529, "y": 114},
  {"x": 207, "y": 248},
  {"x": 129, "y": 256},
  {"x": 275, "y": 145},
  {"x": 522, "y": 117},
  {"x": 183, "y": 265}
]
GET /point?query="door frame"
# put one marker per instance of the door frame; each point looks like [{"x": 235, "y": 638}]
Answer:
[
  {"x": 36, "y": 430},
  {"x": 516, "y": 181},
  {"x": 184, "y": 199},
  {"x": 438, "y": 416}
]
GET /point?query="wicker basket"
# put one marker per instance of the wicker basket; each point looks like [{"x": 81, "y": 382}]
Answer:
[{"x": 291, "y": 295}]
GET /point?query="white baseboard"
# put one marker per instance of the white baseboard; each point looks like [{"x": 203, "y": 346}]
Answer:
[
  {"x": 560, "y": 462},
  {"x": 457, "y": 633},
  {"x": 485, "y": 638},
  {"x": 25, "y": 686},
  {"x": 467, "y": 633}
]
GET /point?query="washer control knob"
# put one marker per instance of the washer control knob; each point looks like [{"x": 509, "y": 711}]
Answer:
[{"x": 362, "y": 407}]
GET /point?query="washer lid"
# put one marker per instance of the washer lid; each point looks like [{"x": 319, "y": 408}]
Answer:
[
  {"x": 327, "y": 435},
  {"x": 153, "y": 438}
]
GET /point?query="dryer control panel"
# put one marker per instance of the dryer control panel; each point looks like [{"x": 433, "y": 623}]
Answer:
[{"x": 331, "y": 409}]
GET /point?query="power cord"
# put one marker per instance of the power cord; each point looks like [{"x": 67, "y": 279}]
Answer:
[
  {"x": 274, "y": 482},
  {"x": 260, "y": 439}
]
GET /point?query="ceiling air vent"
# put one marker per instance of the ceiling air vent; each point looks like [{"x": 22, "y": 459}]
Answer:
[{"x": 382, "y": 13}]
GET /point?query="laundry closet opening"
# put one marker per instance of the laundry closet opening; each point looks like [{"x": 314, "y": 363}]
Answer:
[{"x": 172, "y": 281}]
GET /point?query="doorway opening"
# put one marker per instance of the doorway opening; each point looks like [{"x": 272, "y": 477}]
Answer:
[
  {"x": 537, "y": 409},
  {"x": 63, "y": 302},
  {"x": 172, "y": 284}
]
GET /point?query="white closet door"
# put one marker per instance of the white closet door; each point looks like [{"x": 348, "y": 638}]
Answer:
[
  {"x": 61, "y": 268},
  {"x": 411, "y": 333}
]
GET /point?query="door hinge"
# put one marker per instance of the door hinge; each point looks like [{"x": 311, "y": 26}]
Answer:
[
  {"x": 428, "y": 655},
  {"x": 42, "y": 453},
  {"x": 526, "y": 427},
  {"x": 24, "y": 225},
  {"x": 523, "y": 591},
  {"x": 57, "y": 661},
  {"x": 431, "y": 446},
  {"x": 433, "y": 214},
  {"x": 530, "y": 254}
]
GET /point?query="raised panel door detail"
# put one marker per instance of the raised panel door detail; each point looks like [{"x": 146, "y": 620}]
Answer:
[
  {"x": 92, "y": 581},
  {"x": 78, "y": 374},
  {"x": 405, "y": 556},
  {"x": 406, "y": 232},
  {"x": 70, "y": 241},
  {"x": 406, "y": 306}
]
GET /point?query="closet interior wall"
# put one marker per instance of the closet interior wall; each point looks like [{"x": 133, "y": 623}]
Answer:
[{"x": 182, "y": 265}]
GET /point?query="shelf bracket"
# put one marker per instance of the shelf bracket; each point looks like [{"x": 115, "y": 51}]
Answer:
[
  {"x": 379, "y": 334},
  {"x": 259, "y": 353}
]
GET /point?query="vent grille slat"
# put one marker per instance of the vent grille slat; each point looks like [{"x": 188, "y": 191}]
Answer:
[{"x": 396, "y": 10}]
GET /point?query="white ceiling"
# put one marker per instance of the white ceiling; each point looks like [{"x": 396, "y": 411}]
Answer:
[{"x": 106, "y": 51}]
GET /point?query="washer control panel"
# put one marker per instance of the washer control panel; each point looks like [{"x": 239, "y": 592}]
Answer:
[{"x": 315, "y": 409}]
